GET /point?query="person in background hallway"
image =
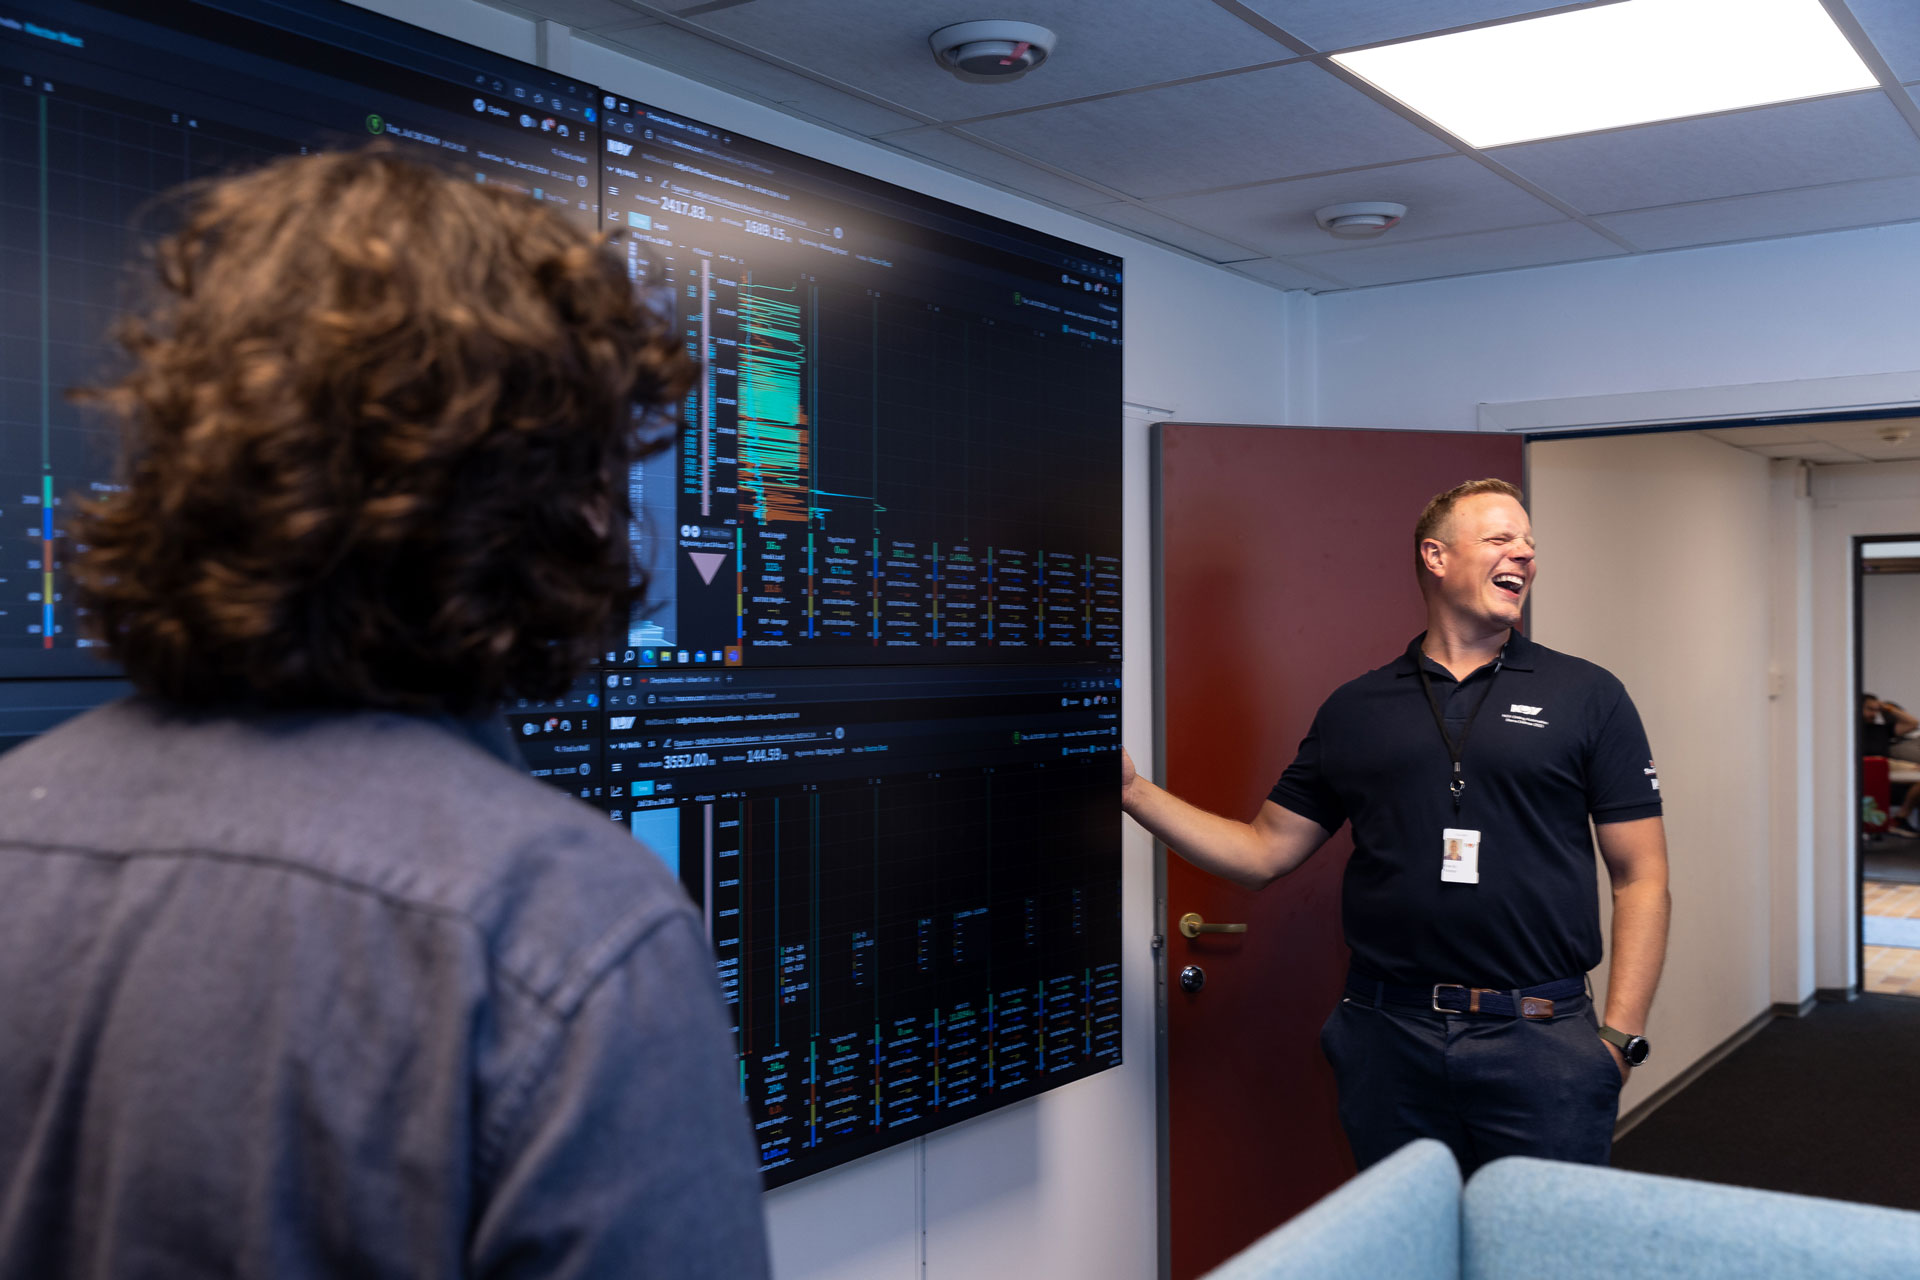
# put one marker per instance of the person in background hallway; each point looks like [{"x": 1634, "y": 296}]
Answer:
[
  {"x": 1884, "y": 727},
  {"x": 1470, "y": 767},
  {"x": 305, "y": 975}
]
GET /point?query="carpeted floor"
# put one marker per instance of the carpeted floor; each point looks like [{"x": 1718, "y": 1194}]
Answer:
[
  {"x": 1825, "y": 1105},
  {"x": 1890, "y": 858}
]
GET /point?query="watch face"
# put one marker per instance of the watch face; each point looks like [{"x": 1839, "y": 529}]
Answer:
[{"x": 1636, "y": 1051}]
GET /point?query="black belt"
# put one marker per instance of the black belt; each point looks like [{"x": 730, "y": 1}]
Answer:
[{"x": 1457, "y": 997}]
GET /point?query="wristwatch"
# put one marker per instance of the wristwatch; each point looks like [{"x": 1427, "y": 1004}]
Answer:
[{"x": 1633, "y": 1048}]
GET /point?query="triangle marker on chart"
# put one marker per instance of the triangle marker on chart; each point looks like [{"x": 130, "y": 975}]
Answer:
[{"x": 708, "y": 563}]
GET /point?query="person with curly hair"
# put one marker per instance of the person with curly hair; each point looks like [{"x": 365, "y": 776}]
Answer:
[{"x": 306, "y": 976}]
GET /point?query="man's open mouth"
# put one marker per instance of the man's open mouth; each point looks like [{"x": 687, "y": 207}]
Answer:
[{"x": 1510, "y": 582}]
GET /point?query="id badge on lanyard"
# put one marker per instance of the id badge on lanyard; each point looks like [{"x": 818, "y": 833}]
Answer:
[{"x": 1459, "y": 846}]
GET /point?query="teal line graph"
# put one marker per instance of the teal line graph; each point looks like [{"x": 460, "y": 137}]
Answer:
[
  {"x": 778, "y": 412},
  {"x": 774, "y": 444}
]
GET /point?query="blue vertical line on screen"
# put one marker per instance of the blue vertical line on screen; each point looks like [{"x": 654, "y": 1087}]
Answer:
[
  {"x": 46, "y": 558},
  {"x": 779, "y": 950},
  {"x": 1086, "y": 596},
  {"x": 813, "y": 898},
  {"x": 990, "y": 581},
  {"x": 990, "y": 1041},
  {"x": 1040, "y": 595}
]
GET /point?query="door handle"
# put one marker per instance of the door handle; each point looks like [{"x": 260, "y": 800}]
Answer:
[{"x": 1192, "y": 926}]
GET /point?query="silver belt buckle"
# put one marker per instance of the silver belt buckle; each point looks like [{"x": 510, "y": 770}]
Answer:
[{"x": 1458, "y": 986}]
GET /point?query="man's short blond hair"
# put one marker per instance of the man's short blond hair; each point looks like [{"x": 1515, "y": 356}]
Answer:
[{"x": 1439, "y": 512}]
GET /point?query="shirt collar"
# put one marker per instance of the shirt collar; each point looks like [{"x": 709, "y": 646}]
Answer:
[{"x": 1517, "y": 655}]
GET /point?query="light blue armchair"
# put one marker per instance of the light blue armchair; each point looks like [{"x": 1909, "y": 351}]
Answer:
[{"x": 1408, "y": 1218}]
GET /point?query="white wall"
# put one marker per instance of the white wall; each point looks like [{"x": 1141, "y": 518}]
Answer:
[
  {"x": 1890, "y": 634},
  {"x": 1790, "y": 681},
  {"x": 1062, "y": 1185},
  {"x": 1649, "y": 566},
  {"x": 1825, "y": 306}
]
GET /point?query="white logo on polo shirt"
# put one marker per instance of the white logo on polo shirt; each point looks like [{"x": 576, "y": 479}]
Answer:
[
  {"x": 1519, "y": 713},
  {"x": 1517, "y": 709}
]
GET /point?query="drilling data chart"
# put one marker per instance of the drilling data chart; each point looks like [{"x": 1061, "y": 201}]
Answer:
[
  {"x": 901, "y": 446},
  {"x": 909, "y": 877}
]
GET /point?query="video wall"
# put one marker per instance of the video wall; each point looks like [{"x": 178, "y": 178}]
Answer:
[{"x": 870, "y": 711}]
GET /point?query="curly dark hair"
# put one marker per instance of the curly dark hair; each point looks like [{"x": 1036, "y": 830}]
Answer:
[{"x": 377, "y": 436}]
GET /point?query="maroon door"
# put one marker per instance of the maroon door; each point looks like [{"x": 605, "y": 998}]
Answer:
[{"x": 1285, "y": 569}]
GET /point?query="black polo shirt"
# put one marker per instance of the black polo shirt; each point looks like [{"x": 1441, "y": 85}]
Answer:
[{"x": 1557, "y": 742}]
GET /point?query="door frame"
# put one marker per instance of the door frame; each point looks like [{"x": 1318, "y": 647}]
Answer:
[{"x": 1857, "y": 771}]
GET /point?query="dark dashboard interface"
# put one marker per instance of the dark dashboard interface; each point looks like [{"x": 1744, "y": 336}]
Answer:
[
  {"x": 870, "y": 713},
  {"x": 902, "y": 449}
]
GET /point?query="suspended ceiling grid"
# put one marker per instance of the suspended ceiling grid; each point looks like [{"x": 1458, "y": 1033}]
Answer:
[{"x": 1217, "y": 127}]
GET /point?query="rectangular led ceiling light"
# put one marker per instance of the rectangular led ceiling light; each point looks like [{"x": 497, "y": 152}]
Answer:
[{"x": 1614, "y": 65}]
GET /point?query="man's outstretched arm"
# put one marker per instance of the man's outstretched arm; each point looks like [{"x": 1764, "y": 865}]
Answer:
[{"x": 1253, "y": 854}]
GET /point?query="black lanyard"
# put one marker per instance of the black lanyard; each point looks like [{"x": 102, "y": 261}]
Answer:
[{"x": 1455, "y": 750}]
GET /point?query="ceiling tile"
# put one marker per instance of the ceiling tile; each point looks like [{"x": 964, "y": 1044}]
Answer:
[
  {"x": 1169, "y": 231},
  {"x": 1817, "y": 452},
  {"x": 1799, "y": 144},
  {"x": 881, "y": 45},
  {"x": 1892, "y": 27},
  {"x": 1447, "y": 196},
  {"x": 1462, "y": 255},
  {"x": 687, "y": 54},
  {"x": 1262, "y": 124},
  {"x": 965, "y": 155},
  {"x": 1774, "y": 213},
  {"x": 1748, "y": 437},
  {"x": 1268, "y": 271},
  {"x": 1342, "y": 24},
  {"x": 1866, "y": 435}
]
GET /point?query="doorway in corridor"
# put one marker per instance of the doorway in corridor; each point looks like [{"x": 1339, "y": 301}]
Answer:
[{"x": 1887, "y": 681}]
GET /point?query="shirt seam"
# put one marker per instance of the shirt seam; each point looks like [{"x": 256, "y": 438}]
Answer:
[
  {"x": 522, "y": 1081},
  {"x": 518, "y": 981}
]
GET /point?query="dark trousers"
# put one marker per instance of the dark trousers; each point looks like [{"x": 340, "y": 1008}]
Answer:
[{"x": 1486, "y": 1086}]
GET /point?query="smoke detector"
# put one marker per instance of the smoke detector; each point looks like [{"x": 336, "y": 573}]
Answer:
[
  {"x": 991, "y": 51},
  {"x": 1359, "y": 220}
]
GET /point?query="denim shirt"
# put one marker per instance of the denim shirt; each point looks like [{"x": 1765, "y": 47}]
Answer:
[{"x": 349, "y": 995}]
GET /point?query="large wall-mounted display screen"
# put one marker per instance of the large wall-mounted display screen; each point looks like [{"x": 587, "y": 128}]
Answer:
[{"x": 870, "y": 711}]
